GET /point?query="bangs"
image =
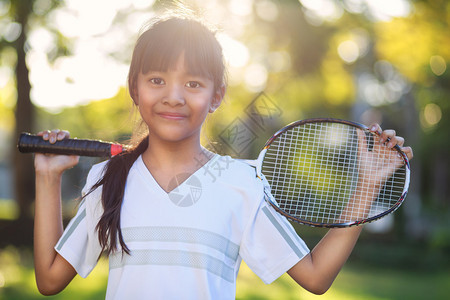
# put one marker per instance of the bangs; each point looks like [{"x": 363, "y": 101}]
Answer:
[{"x": 163, "y": 47}]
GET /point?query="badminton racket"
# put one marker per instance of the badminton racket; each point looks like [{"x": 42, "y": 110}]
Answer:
[{"x": 332, "y": 173}]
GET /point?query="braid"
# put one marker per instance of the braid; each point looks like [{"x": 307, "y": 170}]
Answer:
[{"x": 113, "y": 183}]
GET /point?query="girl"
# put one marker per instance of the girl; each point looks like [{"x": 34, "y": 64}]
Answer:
[{"x": 163, "y": 243}]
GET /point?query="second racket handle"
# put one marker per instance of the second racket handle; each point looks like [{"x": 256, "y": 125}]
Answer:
[{"x": 29, "y": 143}]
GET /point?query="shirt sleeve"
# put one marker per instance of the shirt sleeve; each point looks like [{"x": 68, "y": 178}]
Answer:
[
  {"x": 79, "y": 243},
  {"x": 270, "y": 245}
]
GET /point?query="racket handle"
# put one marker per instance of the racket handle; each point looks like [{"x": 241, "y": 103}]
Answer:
[{"x": 29, "y": 143}]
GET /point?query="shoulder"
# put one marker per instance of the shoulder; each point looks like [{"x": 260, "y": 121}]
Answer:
[
  {"x": 244, "y": 171},
  {"x": 233, "y": 169},
  {"x": 234, "y": 173},
  {"x": 95, "y": 173},
  {"x": 98, "y": 169}
]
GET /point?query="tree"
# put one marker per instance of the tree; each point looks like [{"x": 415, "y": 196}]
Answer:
[
  {"x": 21, "y": 13},
  {"x": 24, "y": 111}
]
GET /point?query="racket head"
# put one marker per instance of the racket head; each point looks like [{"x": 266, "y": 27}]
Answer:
[{"x": 317, "y": 169}]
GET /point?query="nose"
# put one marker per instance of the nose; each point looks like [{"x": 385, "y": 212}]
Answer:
[{"x": 174, "y": 95}]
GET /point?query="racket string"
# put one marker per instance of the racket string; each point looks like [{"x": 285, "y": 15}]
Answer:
[{"x": 314, "y": 171}]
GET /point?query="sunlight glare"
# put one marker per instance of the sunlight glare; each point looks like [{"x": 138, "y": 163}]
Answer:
[
  {"x": 318, "y": 11},
  {"x": 279, "y": 61},
  {"x": 384, "y": 10},
  {"x": 236, "y": 54},
  {"x": 90, "y": 73},
  {"x": 371, "y": 91},
  {"x": 136, "y": 21},
  {"x": 41, "y": 40},
  {"x": 379, "y": 10},
  {"x": 81, "y": 18},
  {"x": 241, "y": 7},
  {"x": 267, "y": 10},
  {"x": 75, "y": 80},
  {"x": 256, "y": 77},
  {"x": 142, "y": 4},
  {"x": 348, "y": 51}
]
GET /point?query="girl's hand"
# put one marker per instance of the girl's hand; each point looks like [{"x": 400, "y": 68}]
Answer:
[
  {"x": 388, "y": 136},
  {"x": 51, "y": 163},
  {"x": 377, "y": 165}
]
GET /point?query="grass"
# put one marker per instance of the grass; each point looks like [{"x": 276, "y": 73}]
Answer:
[
  {"x": 354, "y": 282},
  {"x": 17, "y": 279}
]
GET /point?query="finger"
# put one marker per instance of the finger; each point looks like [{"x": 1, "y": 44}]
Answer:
[
  {"x": 62, "y": 134},
  {"x": 391, "y": 142},
  {"x": 376, "y": 128},
  {"x": 400, "y": 141},
  {"x": 408, "y": 151},
  {"x": 388, "y": 134},
  {"x": 53, "y": 136},
  {"x": 44, "y": 134}
]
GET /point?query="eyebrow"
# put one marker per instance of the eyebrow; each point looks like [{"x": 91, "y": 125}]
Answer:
[{"x": 185, "y": 73}]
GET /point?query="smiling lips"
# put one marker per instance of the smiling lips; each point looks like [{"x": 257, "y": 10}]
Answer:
[{"x": 172, "y": 115}]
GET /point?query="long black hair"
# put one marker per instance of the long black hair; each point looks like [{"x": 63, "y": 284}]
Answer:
[{"x": 157, "y": 49}]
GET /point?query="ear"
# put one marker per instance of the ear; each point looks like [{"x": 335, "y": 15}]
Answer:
[{"x": 217, "y": 99}]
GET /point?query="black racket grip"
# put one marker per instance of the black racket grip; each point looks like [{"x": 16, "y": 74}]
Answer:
[{"x": 29, "y": 143}]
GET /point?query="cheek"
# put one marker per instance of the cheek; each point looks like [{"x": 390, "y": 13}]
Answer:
[
  {"x": 203, "y": 107},
  {"x": 146, "y": 96},
  {"x": 145, "y": 108}
]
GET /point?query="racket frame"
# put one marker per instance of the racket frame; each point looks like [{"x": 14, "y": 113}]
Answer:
[{"x": 259, "y": 162}]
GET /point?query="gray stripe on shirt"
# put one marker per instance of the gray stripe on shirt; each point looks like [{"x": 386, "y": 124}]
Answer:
[
  {"x": 173, "y": 258},
  {"x": 283, "y": 233},
  {"x": 184, "y": 235},
  {"x": 68, "y": 232}
]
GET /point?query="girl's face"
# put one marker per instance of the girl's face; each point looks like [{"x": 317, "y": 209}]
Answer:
[{"x": 174, "y": 103}]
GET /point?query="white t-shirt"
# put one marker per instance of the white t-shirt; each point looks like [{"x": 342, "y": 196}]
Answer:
[{"x": 189, "y": 243}]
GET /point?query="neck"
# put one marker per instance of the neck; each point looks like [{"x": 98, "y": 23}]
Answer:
[{"x": 183, "y": 156}]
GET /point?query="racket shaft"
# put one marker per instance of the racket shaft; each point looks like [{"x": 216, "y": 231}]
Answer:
[{"x": 29, "y": 143}]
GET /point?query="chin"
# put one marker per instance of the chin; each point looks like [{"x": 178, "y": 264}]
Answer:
[{"x": 173, "y": 136}]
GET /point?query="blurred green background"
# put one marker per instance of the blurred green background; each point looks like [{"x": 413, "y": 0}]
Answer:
[{"x": 63, "y": 64}]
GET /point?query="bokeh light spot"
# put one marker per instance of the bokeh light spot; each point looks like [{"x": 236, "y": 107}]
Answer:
[
  {"x": 438, "y": 65},
  {"x": 432, "y": 114},
  {"x": 348, "y": 51}
]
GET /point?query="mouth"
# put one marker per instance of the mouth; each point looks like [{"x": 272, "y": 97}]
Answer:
[{"x": 172, "y": 116}]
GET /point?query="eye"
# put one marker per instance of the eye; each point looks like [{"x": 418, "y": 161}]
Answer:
[
  {"x": 157, "y": 81},
  {"x": 193, "y": 84}
]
